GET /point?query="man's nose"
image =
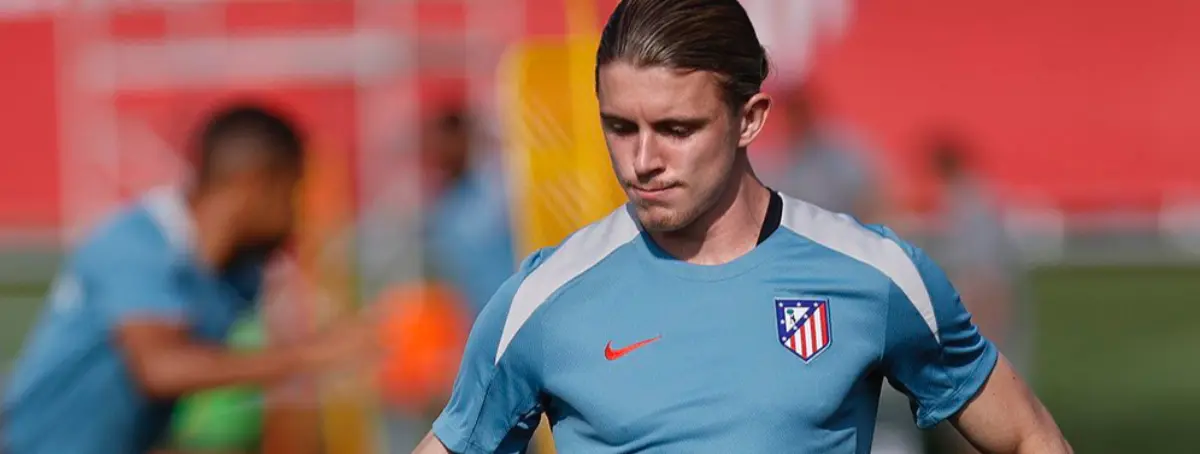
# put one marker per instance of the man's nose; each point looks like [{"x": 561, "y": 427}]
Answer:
[{"x": 648, "y": 157}]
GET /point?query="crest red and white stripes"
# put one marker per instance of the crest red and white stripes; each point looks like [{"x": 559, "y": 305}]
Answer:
[{"x": 804, "y": 326}]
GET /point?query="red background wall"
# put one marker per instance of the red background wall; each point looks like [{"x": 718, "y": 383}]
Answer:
[
  {"x": 1097, "y": 104},
  {"x": 1093, "y": 106}
]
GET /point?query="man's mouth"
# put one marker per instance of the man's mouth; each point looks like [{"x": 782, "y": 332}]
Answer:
[{"x": 652, "y": 192}]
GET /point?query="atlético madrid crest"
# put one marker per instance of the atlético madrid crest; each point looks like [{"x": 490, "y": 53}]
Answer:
[{"x": 803, "y": 326}]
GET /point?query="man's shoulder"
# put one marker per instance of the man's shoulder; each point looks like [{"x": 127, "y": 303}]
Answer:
[
  {"x": 581, "y": 252},
  {"x": 872, "y": 244},
  {"x": 127, "y": 236},
  {"x": 545, "y": 274},
  {"x": 898, "y": 264}
]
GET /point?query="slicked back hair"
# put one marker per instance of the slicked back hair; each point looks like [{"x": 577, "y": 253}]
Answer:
[{"x": 691, "y": 35}]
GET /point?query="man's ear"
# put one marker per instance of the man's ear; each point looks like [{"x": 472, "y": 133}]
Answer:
[{"x": 754, "y": 117}]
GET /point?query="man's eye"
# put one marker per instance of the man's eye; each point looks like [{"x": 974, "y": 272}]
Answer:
[
  {"x": 679, "y": 131},
  {"x": 620, "y": 129}
]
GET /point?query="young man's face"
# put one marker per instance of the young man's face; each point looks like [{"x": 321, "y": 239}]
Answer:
[
  {"x": 277, "y": 214},
  {"x": 672, "y": 140},
  {"x": 265, "y": 191}
]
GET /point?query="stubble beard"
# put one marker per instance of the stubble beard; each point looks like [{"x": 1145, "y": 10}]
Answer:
[{"x": 663, "y": 219}]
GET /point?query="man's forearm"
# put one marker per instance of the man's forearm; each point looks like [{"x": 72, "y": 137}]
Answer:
[
  {"x": 1045, "y": 445},
  {"x": 1047, "y": 438},
  {"x": 180, "y": 370},
  {"x": 167, "y": 362},
  {"x": 1005, "y": 417}
]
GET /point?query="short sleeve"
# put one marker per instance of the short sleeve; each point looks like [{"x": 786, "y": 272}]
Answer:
[
  {"x": 933, "y": 352},
  {"x": 494, "y": 407},
  {"x": 136, "y": 281}
]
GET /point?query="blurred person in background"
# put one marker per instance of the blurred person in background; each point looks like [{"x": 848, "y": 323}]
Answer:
[
  {"x": 980, "y": 257},
  {"x": 829, "y": 166},
  {"x": 469, "y": 252},
  {"x": 468, "y": 232},
  {"x": 140, "y": 311}
]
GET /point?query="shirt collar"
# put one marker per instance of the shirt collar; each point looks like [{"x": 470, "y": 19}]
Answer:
[{"x": 168, "y": 208}]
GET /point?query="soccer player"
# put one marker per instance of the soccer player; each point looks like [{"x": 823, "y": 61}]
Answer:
[
  {"x": 711, "y": 314},
  {"x": 139, "y": 312},
  {"x": 468, "y": 231}
]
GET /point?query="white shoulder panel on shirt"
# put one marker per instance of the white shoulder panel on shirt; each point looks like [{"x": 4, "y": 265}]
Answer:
[
  {"x": 843, "y": 234},
  {"x": 168, "y": 208},
  {"x": 579, "y": 253}
]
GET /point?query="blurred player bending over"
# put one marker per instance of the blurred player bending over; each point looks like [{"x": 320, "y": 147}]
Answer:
[
  {"x": 711, "y": 314},
  {"x": 140, "y": 309}
]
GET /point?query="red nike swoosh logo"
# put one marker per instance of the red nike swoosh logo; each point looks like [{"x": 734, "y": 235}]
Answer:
[{"x": 613, "y": 355}]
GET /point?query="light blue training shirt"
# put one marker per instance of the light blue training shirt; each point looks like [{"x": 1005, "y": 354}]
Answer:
[{"x": 784, "y": 349}]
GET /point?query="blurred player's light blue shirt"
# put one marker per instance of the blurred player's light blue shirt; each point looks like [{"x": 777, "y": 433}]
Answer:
[
  {"x": 72, "y": 392},
  {"x": 470, "y": 236},
  {"x": 784, "y": 349}
]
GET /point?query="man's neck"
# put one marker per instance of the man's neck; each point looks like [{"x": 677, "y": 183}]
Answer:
[
  {"x": 215, "y": 240},
  {"x": 727, "y": 230}
]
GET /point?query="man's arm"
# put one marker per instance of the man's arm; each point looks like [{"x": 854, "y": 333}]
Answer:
[
  {"x": 936, "y": 355},
  {"x": 167, "y": 362},
  {"x": 1006, "y": 417}
]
